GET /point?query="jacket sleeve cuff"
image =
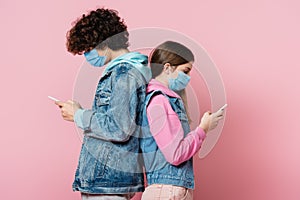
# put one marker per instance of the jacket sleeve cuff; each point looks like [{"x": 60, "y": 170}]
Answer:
[
  {"x": 201, "y": 133},
  {"x": 82, "y": 118}
]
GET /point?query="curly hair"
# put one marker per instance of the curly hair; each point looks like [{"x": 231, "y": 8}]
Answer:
[{"x": 100, "y": 28}]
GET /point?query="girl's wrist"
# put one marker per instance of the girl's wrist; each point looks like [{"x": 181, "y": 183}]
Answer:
[{"x": 204, "y": 128}]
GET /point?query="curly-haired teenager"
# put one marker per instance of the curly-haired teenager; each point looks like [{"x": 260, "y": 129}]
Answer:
[
  {"x": 109, "y": 165},
  {"x": 168, "y": 144}
]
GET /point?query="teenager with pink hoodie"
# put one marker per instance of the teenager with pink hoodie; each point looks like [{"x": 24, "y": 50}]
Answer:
[{"x": 168, "y": 144}]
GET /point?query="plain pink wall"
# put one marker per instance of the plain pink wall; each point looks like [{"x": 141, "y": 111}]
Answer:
[{"x": 254, "y": 43}]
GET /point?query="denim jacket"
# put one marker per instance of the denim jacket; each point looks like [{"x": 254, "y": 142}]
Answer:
[
  {"x": 110, "y": 159},
  {"x": 158, "y": 170}
]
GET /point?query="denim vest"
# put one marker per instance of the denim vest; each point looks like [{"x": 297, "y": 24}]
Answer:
[
  {"x": 158, "y": 170},
  {"x": 114, "y": 165}
]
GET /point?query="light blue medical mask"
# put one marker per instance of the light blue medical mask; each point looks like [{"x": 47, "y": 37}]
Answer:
[
  {"x": 94, "y": 59},
  {"x": 180, "y": 82}
]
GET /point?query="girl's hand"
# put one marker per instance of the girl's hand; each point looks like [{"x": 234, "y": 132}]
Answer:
[
  {"x": 209, "y": 121},
  {"x": 68, "y": 109}
]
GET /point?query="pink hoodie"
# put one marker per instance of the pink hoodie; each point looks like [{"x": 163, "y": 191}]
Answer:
[{"x": 166, "y": 128}]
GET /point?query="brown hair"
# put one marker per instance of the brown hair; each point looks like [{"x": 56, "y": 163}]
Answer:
[
  {"x": 169, "y": 52},
  {"x": 99, "y": 28},
  {"x": 175, "y": 54}
]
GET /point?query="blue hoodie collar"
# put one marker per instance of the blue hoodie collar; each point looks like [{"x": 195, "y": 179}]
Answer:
[{"x": 136, "y": 59}]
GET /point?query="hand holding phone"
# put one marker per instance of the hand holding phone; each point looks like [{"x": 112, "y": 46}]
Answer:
[{"x": 209, "y": 121}]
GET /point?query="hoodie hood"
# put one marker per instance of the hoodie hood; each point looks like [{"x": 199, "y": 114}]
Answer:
[
  {"x": 156, "y": 85},
  {"x": 136, "y": 59}
]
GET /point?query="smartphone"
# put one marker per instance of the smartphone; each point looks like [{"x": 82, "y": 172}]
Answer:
[
  {"x": 52, "y": 98},
  {"x": 222, "y": 108}
]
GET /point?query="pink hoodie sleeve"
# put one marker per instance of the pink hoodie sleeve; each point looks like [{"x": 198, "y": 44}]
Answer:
[{"x": 167, "y": 131}]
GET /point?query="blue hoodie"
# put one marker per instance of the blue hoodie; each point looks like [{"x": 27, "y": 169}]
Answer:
[{"x": 136, "y": 59}]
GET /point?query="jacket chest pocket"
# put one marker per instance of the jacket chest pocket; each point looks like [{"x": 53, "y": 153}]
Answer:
[
  {"x": 103, "y": 92},
  {"x": 102, "y": 98}
]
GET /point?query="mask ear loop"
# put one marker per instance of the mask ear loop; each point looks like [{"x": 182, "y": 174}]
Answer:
[
  {"x": 173, "y": 67},
  {"x": 101, "y": 48},
  {"x": 105, "y": 51}
]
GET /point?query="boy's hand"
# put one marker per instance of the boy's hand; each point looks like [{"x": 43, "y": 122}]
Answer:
[{"x": 68, "y": 109}]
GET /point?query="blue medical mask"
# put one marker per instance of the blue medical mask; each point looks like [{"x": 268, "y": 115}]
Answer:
[
  {"x": 94, "y": 59},
  {"x": 180, "y": 82}
]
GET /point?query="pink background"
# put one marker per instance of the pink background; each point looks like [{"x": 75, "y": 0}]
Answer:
[{"x": 254, "y": 43}]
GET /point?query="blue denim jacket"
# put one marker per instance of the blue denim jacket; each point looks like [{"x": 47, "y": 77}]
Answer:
[
  {"x": 110, "y": 159},
  {"x": 158, "y": 170}
]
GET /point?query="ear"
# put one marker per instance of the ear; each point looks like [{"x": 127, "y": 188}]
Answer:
[{"x": 167, "y": 68}]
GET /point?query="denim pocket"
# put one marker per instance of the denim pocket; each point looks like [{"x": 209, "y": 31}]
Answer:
[
  {"x": 102, "y": 98},
  {"x": 87, "y": 163},
  {"x": 102, "y": 160},
  {"x": 93, "y": 159}
]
